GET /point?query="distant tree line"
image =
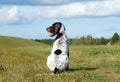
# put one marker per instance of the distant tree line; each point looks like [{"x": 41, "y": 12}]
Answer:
[
  {"x": 88, "y": 40},
  {"x": 46, "y": 41}
]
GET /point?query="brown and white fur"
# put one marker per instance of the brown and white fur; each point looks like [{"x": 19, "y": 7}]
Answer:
[{"x": 58, "y": 60}]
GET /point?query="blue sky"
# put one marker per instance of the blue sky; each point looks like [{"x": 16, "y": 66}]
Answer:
[{"x": 29, "y": 18}]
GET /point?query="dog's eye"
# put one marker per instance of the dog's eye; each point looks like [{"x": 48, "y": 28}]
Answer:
[{"x": 58, "y": 52}]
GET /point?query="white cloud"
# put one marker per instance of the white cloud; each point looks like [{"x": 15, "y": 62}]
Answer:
[
  {"x": 103, "y": 8},
  {"x": 28, "y": 14},
  {"x": 64, "y": 11},
  {"x": 14, "y": 16},
  {"x": 88, "y": 9}
]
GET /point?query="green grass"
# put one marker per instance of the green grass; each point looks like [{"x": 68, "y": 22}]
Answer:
[
  {"x": 87, "y": 64},
  {"x": 117, "y": 43},
  {"x": 12, "y": 42}
]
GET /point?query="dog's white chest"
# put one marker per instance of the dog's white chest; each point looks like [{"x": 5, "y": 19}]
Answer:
[{"x": 59, "y": 61}]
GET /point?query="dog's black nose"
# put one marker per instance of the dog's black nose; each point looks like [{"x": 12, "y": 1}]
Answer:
[{"x": 48, "y": 29}]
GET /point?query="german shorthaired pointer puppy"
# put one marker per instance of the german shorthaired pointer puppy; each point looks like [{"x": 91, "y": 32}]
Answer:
[{"x": 58, "y": 59}]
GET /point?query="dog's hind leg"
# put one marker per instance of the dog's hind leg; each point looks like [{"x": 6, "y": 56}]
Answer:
[
  {"x": 67, "y": 68},
  {"x": 56, "y": 70},
  {"x": 68, "y": 64}
]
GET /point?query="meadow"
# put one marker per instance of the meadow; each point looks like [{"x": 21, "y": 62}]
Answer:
[{"x": 27, "y": 63}]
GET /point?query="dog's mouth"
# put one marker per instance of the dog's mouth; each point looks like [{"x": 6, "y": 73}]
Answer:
[{"x": 51, "y": 34}]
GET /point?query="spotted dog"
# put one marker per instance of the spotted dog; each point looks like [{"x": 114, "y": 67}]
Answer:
[{"x": 58, "y": 60}]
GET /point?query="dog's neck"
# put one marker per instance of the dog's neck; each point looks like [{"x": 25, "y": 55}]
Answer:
[
  {"x": 61, "y": 32},
  {"x": 58, "y": 36}
]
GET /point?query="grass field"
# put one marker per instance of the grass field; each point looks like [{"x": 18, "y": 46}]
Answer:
[{"x": 87, "y": 64}]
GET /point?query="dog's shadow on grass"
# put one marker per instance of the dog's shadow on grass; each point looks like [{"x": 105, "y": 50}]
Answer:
[{"x": 81, "y": 68}]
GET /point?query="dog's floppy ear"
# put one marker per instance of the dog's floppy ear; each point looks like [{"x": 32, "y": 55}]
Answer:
[{"x": 57, "y": 27}]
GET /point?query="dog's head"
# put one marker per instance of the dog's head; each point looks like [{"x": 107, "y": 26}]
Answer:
[{"x": 55, "y": 29}]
